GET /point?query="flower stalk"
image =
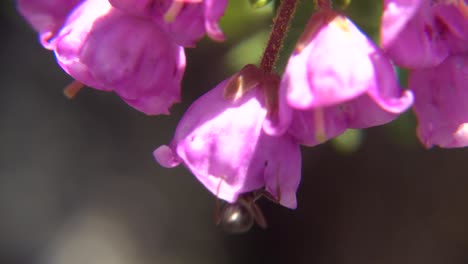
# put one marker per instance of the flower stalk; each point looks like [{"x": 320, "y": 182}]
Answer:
[{"x": 278, "y": 33}]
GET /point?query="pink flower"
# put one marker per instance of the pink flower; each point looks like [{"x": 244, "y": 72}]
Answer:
[
  {"x": 185, "y": 20},
  {"x": 109, "y": 50},
  {"x": 338, "y": 79},
  {"x": 396, "y": 15},
  {"x": 46, "y": 16},
  {"x": 422, "y": 33},
  {"x": 455, "y": 20},
  {"x": 221, "y": 141},
  {"x": 432, "y": 41},
  {"x": 442, "y": 102}
]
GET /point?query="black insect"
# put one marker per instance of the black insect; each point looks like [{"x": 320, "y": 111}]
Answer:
[{"x": 240, "y": 216}]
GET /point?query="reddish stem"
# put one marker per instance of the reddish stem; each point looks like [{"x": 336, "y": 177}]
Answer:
[{"x": 278, "y": 33}]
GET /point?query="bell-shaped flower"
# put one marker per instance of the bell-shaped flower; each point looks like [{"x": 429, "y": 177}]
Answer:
[
  {"x": 46, "y": 16},
  {"x": 109, "y": 50},
  {"x": 422, "y": 33},
  {"x": 186, "y": 21},
  {"x": 221, "y": 140},
  {"x": 338, "y": 79},
  {"x": 441, "y": 103}
]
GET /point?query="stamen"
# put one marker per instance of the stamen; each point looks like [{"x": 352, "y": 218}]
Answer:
[
  {"x": 72, "y": 89},
  {"x": 217, "y": 205},
  {"x": 173, "y": 11},
  {"x": 278, "y": 187},
  {"x": 320, "y": 135},
  {"x": 463, "y": 7}
]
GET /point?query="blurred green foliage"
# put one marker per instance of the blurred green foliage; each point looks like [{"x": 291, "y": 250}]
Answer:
[
  {"x": 349, "y": 141},
  {"x": 241, "y": 20},
  {"x": 248, "y": 50}
]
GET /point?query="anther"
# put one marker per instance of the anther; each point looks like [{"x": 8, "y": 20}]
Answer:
[
  {"x": 320, "y": 135},
  {"x": 72, "y": 89},
  {"x": 173, "y": 11}
]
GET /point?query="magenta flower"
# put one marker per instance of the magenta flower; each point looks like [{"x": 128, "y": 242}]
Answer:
[
  {"x": 442, "y": 103},
  {"x": 185, "y": 20},
  {"x": 109, "y": 50},
  {"x": 455, "y": 19},
  {"x": 433, "y": 43},
  {"x": 422, "y": 33},
  {"x": 338, "y": 79},
  {"x": 221, "y": 141},
  {"x": 395, "y": 17},
  {"x": 46, "y": 16}
]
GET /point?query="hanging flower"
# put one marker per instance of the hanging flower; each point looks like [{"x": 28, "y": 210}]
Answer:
[
  {"x": 109, "y": 50},
  {"x": 221, "y": 141},
  {"x": 338, "y": 79},
  {"x": 442, "y": 103}
]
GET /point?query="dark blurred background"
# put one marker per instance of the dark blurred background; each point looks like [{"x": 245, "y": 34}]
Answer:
[{"x": 78, "y": 183}]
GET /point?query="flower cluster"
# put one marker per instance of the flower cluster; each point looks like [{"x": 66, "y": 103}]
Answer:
[
  {"x": 249, "y": 136},
  {"x": 134, "y": 48},
  {"x": 245, "y": 134}
]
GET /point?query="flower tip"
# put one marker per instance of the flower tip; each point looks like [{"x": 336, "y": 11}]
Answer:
[
  {"x": 319, "y": 119},
  {"x": 214, "y": 32},
  {"x": 153, "y": 105},
  {"x": 288, "y": 199},
  {"x": 398, "y": 105},
  {"x": 45, "y": 40},
  {"x": 166, "y": 157},
  {"x": 289, "y": 203}
]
